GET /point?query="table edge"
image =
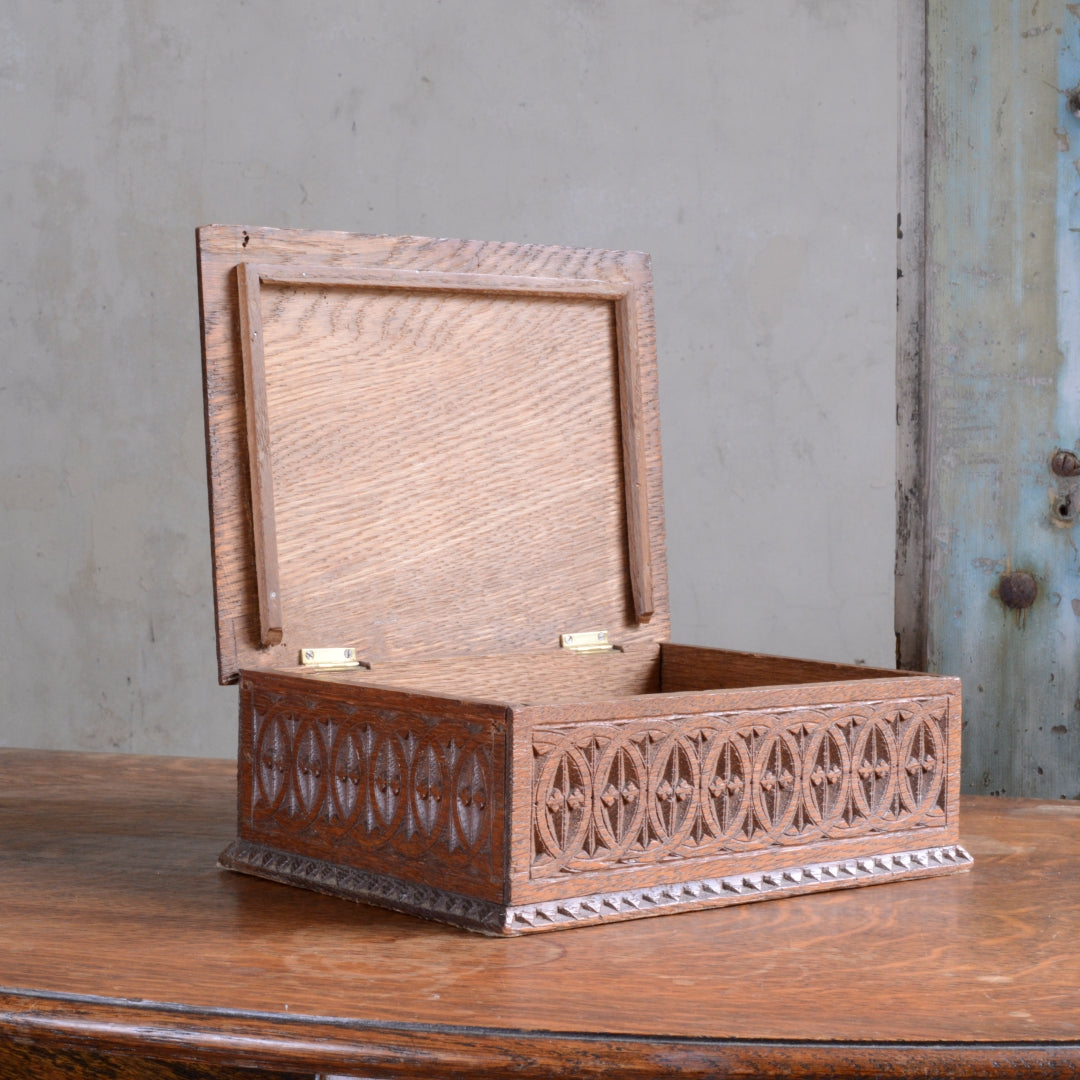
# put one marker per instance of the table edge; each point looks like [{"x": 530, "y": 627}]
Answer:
[{"x": 282, "y": 1041}]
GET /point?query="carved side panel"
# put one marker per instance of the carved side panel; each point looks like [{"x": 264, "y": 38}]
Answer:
[
  {"x": 637, "y": 792},
  {"x": 374, "y": 788}
]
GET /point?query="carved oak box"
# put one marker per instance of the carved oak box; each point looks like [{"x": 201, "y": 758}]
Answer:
[{"x": 440, "y": 579}]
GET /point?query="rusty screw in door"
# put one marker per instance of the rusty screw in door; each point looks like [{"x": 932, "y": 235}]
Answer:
[
  {"x": 1018, "y": 590},
  {"x": 1065, "y": 463}
]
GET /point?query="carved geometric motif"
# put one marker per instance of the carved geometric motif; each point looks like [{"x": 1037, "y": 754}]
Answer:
[
  {"x": 379, "y": 780},
  {"x": 435, "y": 903},
  {"x": 635, "y": 792}
]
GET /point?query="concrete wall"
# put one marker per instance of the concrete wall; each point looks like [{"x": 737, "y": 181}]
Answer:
[{"x": 750, "y": 146}]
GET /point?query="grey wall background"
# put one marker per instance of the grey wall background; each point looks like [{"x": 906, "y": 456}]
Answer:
[{"x": 749, "y": 145}]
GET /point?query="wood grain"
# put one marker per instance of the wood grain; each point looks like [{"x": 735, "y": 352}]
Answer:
[
  {"x": 29, "y": 1062},
  {"x": 119, "y": 936},
  {"x": 520, "y": 678},
  {"x": 257, "y": 415},
  {"x": 453, "y": 459},
  {"x": 696, "y": 784},
  {"x": 454, "y": 470},
  {"x": 692, "y": 667},
  {"x": 615, "y": 802},
  {"x": 250, "y": 278},
  {"x": 389, "y": 782},
  {"x": 433, "y": 281},
  {"x": 621, "y": 803},
  {"x": 635, "y": 451}
]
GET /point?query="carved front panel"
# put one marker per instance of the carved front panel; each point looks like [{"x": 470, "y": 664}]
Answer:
[
  {"x": 346, "y": 783},
  {"x": 641, "y": 791}
]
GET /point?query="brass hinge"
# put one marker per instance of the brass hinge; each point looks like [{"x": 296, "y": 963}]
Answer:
[
  {"x": 331, "y": 659},
  {"x": 587, "y": 642}
]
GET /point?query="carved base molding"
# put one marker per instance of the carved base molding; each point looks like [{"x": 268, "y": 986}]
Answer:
[
  {"x": 498, "y": 919},
  {"x": 363, "y": 886}
]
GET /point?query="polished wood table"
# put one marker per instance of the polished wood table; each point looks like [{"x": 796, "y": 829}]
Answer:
[{"x": 125, "y": 952}]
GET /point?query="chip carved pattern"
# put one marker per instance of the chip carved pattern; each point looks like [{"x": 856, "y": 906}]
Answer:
[
  {"x": 641, "y": 791},
  {"x": 377, "y": 780},
  {"x": 492, "y": 918}
]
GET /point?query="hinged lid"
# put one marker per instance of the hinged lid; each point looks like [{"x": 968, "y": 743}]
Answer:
[{"x": 424, "y": 448}]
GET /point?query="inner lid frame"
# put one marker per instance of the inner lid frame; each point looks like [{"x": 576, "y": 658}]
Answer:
[{"x": 267, "y": 341}]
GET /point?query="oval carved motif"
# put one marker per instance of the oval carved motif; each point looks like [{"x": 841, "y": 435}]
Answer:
[
  {"x": 620, "y": 803},
  {"x": 922, "y": 761},
  {"x": 272, "y": 753},
  {"x": 429, "y": 789},
  {"x": 874, "y": 768},
  {"x": 349, "y": 779},
  {"x": 673, "y": 785},
  {"x": 309, "y": 771},
  {"x": 725, "y": 780},
  {"x": 472, "y": 798},
  {"x": 387, "y": 782},
  {"x": 563, "y": 799},
  {"x": 776, "y": 795},
  {"x": 826, "y": 777}
]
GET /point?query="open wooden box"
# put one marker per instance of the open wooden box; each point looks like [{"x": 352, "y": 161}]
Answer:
[{"x": 441, "y": 459}]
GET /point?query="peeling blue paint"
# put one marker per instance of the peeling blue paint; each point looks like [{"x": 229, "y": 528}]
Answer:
[
  {"x": 1003, "y": 342},
  {"x": 1068, "y": 235}
]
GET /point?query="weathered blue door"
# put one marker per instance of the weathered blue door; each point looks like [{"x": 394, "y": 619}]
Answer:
[{"x": 1002, "y": 364}]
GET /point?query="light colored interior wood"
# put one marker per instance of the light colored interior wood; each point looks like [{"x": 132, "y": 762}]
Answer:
[
  {"x": 523, "y": 679},
  {"x": 453, "y": 471},
  {"x": 690, "y": 667},
  {"x": 561, "y": 677},
  {"x": 258, "y": 439},
  {"x": 447, "y": 470}
]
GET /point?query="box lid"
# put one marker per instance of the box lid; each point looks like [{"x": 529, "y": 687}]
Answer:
[{"x": 425, "y": 448}]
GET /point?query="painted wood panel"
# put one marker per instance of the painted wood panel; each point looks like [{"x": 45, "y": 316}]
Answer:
[{"x": 1003, "y": 369}]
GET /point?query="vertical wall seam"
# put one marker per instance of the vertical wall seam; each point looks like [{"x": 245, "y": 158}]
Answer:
[{"x": 910, "y": 600}]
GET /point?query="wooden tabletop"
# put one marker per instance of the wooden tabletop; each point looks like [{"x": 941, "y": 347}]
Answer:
[{"x": 119, "y": 936}]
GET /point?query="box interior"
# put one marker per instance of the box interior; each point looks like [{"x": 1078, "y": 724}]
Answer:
[{"x": 555, "y": 678}]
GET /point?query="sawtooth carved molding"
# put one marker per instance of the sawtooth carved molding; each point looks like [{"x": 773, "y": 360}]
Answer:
[
  {"x": 641, "y": 791},
  {"x": 496, "y": 919},
  {"x": 740, "y": 888},
  {"x": 364, "y": 886}
]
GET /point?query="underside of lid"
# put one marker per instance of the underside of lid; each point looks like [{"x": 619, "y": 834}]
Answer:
[{"x": 425, "y": 448}]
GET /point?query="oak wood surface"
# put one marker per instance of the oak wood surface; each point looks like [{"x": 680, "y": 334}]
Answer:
[
  {"x": 304, "y": 793},
  {"x": 692, "y": 667},
  {"x": 118, "y": 933},
  {"x": 470, "y": 859},
  {"x": 650, "y": 680},
  {"x": 440, "y": 451},
  {"x": 24, "y": 1060},
  {"x": 548, "y": 677},
  {"x": 467, "y": 467},
  {"x": 563, "y": 677},
  {"x": 484, "y": 352},
  {"x": 545, "y": 734},
  {"x": 263, "y": 523}
]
